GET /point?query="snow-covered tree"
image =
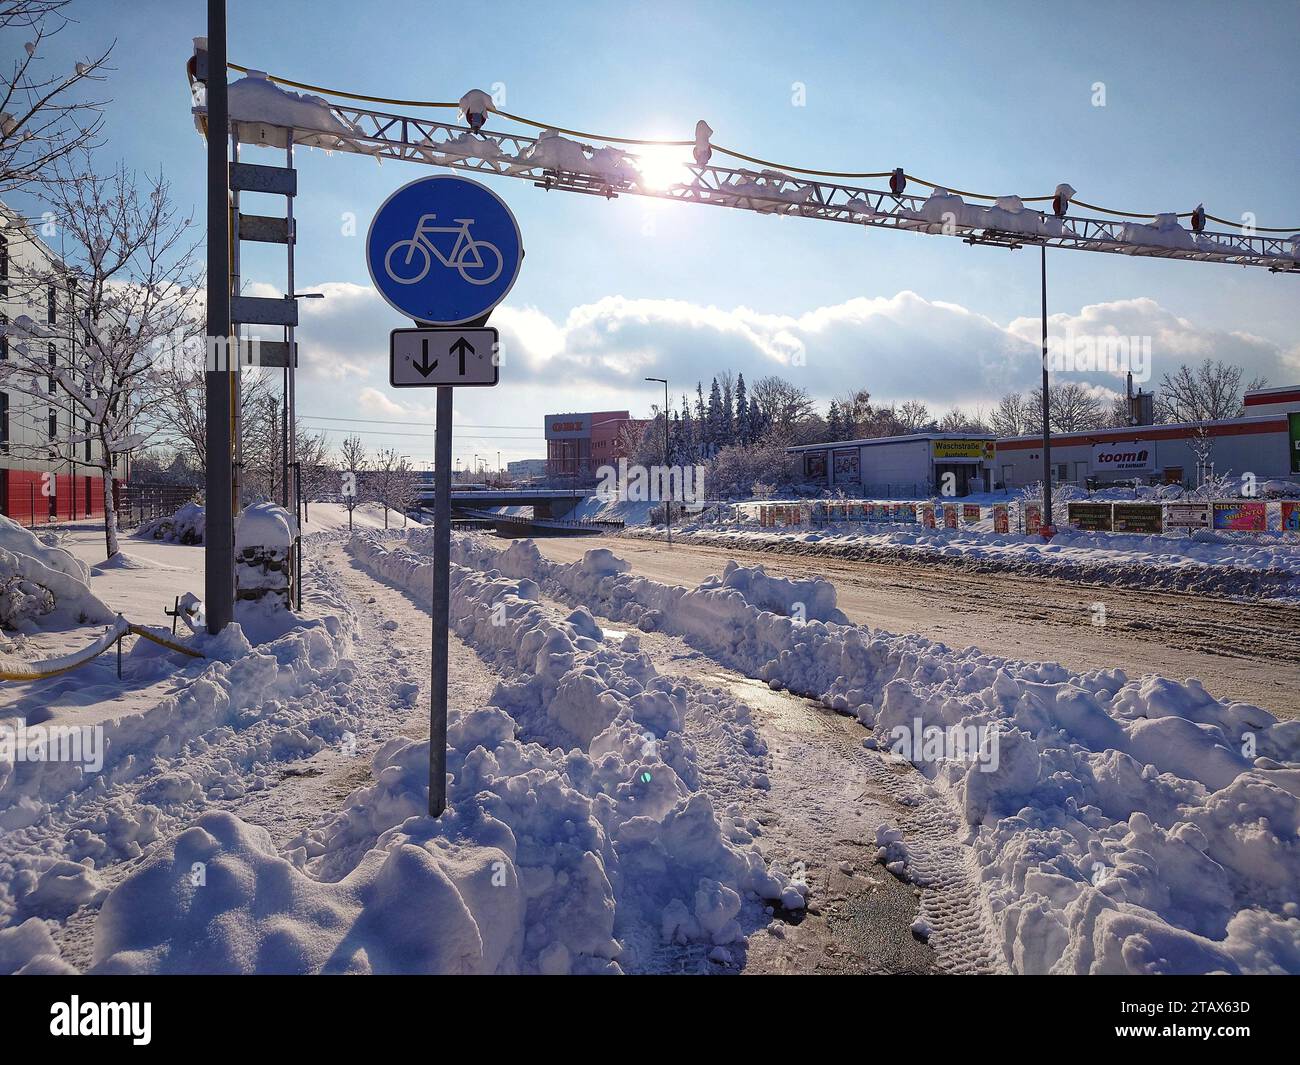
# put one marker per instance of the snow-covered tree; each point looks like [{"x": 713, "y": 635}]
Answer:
[
  {"x": 1210, "y": 392},
  {"x": 44, "y": 117},
  {"x": 126, "y": 287}
]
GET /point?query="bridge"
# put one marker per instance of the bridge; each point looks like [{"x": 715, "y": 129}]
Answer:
[{"x": 546, "y": 502}]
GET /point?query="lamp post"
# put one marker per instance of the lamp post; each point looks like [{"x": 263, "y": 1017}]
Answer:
[
  {"x": 291, "y": 405},
  {"x": 668, "y": 504}
]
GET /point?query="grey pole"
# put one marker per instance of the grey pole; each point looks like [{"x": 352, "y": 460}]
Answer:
[
  {"x": 1047, "y": 430},
  {"x": 219, "y": 541},
  {"x": 441, "y": 602},
  {"x": 668, "y": 503}
]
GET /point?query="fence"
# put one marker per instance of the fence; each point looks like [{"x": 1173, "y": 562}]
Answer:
[{"x": 138, "y": 503}]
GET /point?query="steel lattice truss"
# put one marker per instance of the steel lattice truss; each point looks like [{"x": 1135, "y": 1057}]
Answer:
[{"x": 609, "y": 172}]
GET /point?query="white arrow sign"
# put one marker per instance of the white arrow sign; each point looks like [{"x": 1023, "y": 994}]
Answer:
[{"x": 426, "y": 358}]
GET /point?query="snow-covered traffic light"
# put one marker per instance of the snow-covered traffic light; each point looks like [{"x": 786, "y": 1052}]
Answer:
[
  {"x": 474, "y": 107},
  {"x": 1061, "y": 200}
]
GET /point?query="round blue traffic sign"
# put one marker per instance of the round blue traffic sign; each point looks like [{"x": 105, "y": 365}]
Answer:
[{"x": 444, "y": 249}]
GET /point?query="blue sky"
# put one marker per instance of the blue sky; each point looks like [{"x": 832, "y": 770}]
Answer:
[{"x": 1201, "y": 105}]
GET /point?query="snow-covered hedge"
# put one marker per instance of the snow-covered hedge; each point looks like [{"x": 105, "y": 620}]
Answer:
[
  {"x": 43, "y": 586},
  {"x": 184, "y": 527},
  {"x": 1128, "y": 825}
]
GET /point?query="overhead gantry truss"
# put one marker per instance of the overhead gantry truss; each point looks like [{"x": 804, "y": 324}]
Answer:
[{"x": 556, "y": 163}]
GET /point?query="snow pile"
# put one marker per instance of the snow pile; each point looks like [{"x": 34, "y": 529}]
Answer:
[
  {"x": 184, "y": 527},
  {"x": 43, "y": 586},
  {"x": 576, "y": 839},
  {"x": 1123, "y": 825},
  {"x": 1232, "y": 565}
]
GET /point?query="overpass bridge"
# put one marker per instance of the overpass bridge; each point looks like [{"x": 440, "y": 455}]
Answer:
[{"x": 546, "y": 502}]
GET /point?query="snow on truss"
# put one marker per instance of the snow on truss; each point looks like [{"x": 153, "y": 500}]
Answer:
[{"x": 265, "y": 112}]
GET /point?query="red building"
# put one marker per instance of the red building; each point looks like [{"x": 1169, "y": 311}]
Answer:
[{"x": 578, "y": 444}]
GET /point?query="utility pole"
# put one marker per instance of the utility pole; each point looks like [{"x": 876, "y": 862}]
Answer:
[
  {"x": 668, "y": 503},
  {"x": 219, "y": 539},
  {"x": 1047, "y": 429},
  {"x": 441, "y": 601}
]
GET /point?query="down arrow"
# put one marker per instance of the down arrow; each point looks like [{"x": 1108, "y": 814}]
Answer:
[{"x": 424, "y": 366}]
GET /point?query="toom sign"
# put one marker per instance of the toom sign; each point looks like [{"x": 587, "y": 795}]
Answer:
[{"x": 1122, "y": 457}]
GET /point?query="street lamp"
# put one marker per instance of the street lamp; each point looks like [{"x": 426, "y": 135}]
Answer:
[{"x": 668, "y": 504}]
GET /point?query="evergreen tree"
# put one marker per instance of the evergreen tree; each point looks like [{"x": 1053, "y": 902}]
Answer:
[
  {"x": 743, "y": 434},
  {"x": 728, "y": 411},
  {"x": 716, "y": 431}
]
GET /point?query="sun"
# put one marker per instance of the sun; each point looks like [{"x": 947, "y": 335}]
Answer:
[{"x": 661, "y": 166}]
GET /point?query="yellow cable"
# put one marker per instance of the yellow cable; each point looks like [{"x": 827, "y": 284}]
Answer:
[{"x": 728, "y": 151}]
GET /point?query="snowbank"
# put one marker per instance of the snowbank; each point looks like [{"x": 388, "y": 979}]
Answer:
[
  {"x": 577, "y": 838},
  {"x": 43, "y": 586},
  {"x": 1122, "y": 825}
]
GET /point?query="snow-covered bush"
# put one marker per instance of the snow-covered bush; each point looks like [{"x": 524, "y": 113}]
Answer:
[
  {"x": 38, "y": 581},
  {"x": 184, "y": 527},
  {"x": 734, "y": 471}
]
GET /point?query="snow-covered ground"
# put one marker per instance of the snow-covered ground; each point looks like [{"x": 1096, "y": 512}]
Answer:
[
  {"x": 1233, "y": 565},
  {"x": 602, "y": 803}
]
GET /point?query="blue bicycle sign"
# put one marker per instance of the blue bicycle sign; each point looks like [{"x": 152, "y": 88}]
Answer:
[{"x": 444, "y": 250}]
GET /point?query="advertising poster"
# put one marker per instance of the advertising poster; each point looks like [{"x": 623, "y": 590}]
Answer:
[
  {"x": 1138, "y": 517},
  {"x": 905, "y": 512},
  {"x": 1001, "y": 519},
  {"x": 1241, "y": 517},
  {"x": 1290, "y": 516},
  {"x": 846, "y": 465},
  {"x": 950, "y": 515},
  {"x": 927, "y": 515},
  {"x": 1187, "y": 516},
  {"x": 814, "y": 467},
  {"x": 970, "y": 513},
  {"x": 1033, "y": 517},
  {"x": 1090, "y": 517}
]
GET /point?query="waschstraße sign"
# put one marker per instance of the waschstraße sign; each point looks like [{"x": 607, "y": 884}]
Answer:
[{"x": 963, "y": 449}]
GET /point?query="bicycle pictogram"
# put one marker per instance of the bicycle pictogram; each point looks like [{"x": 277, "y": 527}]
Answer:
[{"x": 478, "y": 261}]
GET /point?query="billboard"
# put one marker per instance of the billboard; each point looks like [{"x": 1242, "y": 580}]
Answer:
[
  {"x": 1241, "y": 517},
  {"x": 963, "y": 449},
  {"x": 1187, "y": 516},
  {"x": 1091, "y": 517},
  {"x": 970, "y": 513},
  {"x": 846, "y": 464},
  {"x": 1001, "y": 518},
  {"x": 1290, "y": 516},
  {"x": 1137, "y": 517},
  {"x": 814, "y": 466},
  {"x": 950, "y": 515},
  {"x": 1033, "y": 517},
  {"x": 1122, "y": 456}
]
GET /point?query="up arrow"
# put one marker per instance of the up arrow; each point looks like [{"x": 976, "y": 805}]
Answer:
[
  {"x": 424, "y": 366},
  {"x": 459, "y": 348}
]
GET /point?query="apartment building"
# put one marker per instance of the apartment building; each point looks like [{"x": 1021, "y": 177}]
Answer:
[{"x": 44, "y": 475}]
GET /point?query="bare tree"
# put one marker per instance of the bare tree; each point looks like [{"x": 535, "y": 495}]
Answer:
[
  {"x": 127, "y": 285},
  {"x": 959, "y": 421},
  {"x": 786, "y": 405},
  {"x": 317, "y": 473},
  {"x": 1074, "y": 408},
  {"x": 914, "y": 417},
  {"x": 385, "y": 477},
  {"x": 353, "y": 462},
  {"x": 1210, "y": 392},
  {"x": 1013, "y": 417},
  {"x": 41, "y": 119}
]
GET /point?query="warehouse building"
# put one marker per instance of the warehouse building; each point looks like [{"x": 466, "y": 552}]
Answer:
[
  {"x": 1173, "y": 453},
  {"x": 43, "y": 475},
  {"x": 900, "y": 467}
]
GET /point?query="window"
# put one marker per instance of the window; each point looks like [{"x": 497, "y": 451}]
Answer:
[
  {"x": 4, "y": 267},
  {"x": 51, "y": 296},
  {"x": 54, "y": 424},
  {"x": 4, "y": 337},
  {"x": 4, "y": 421},
  {"x": 53, "y": 381}
]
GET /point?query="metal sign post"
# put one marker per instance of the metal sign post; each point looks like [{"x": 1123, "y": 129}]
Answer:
[{"x": 443, "y": 251}]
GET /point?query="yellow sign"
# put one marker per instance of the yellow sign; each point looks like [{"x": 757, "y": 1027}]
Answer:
[{"x": 963, "y": 449}]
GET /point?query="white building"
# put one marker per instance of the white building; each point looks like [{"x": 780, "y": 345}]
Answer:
[
  {"x": 1258, "y": 444},
  {"x": 900, "y": 467},
  {"x": 43, "y": 476}
]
